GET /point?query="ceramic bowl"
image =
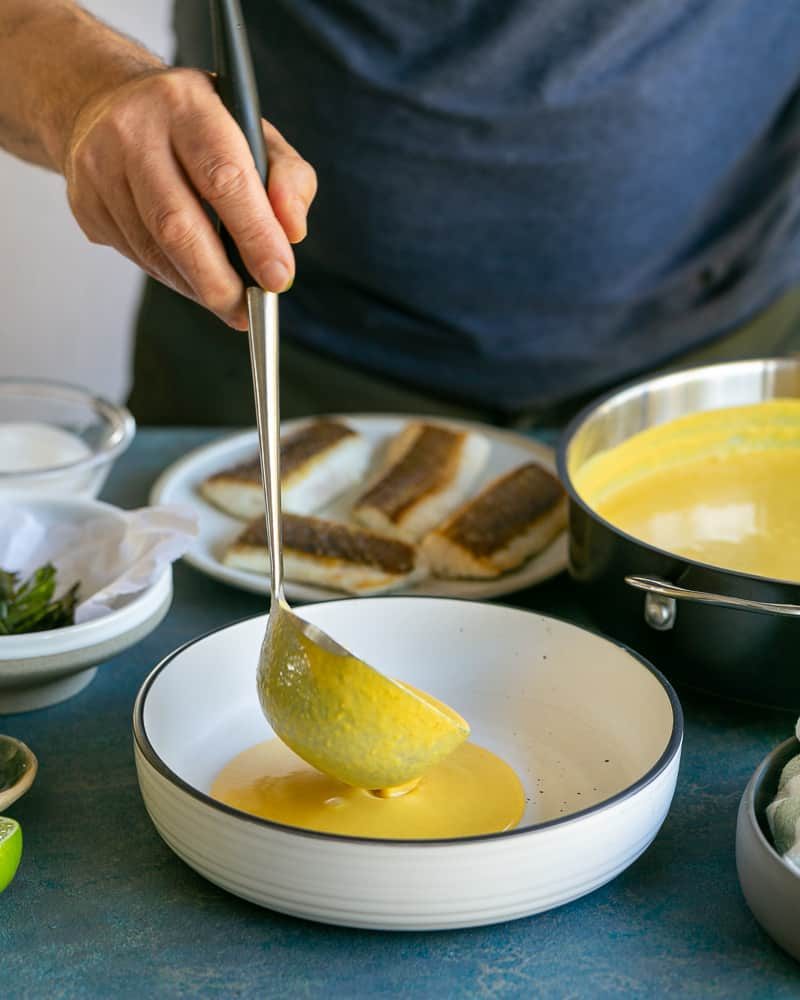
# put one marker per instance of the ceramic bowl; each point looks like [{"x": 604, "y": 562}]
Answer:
[
  {"x": 592, "y": 730},
  {"x": 42, "y": 668},
  {"x": 770, "y": 885},
  {"x": 18, "y": 767},
  {"x": 105, "y": 430}
]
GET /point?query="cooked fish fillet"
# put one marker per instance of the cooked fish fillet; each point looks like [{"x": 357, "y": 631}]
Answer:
[
  {"x": 511, "y": 519},
  {"x": 329, "y": 553},
  {"x": 236, "y": 490},
  {"x": 427, "y": 471},
  {"x": 318, "y": 462}
]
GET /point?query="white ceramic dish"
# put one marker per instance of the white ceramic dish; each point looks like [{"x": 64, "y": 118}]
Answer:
[
  {"x": 42, "y": 668},
  {"x": 102, "y": 428},
  {"x": 593, "y": 732},
  {"x": 770, "y": 885},
  {"x": 179, "y": 484}
]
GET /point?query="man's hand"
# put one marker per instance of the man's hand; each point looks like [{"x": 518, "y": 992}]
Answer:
[{"x": 141, "y": 158}]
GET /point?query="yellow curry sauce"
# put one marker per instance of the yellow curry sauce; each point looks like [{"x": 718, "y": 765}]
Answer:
[
  {"x": 470, "y": 792},
  {"x": 721, "y": 487}
]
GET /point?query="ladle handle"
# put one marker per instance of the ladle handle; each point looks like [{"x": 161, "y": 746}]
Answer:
[
  {"x": 235, "y": 83},
  {"x": 236, "y": 86},
  {"x": 262, "y": 308}
]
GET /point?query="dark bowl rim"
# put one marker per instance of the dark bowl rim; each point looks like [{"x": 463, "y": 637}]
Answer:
[
  {"x": 567, "y": 437},
  {"x": 670, "y": 751},
  {"x": 122, "y": 417}
]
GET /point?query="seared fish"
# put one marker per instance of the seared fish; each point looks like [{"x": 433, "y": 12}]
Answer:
[
  {"x": 511, "y": 519},
  {"x": 318, "y": 462},
  {"x": 427, "y": 471},
  {"x": 329, "y": 553}
]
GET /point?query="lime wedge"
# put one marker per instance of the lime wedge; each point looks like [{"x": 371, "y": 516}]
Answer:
[{"x": 10, "y": 850}]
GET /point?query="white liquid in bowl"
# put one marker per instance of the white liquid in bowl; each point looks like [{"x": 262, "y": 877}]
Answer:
[{"x": 29, "y": 447}]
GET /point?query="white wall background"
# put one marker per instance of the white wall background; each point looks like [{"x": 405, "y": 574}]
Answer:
[{"x": 68, "y": 306}]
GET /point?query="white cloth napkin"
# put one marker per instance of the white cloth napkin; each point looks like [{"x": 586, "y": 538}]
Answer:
[{"x": 113, "y": 560}]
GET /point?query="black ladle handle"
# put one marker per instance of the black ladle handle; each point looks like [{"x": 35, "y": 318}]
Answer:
[{"x": 236, "y": 86}]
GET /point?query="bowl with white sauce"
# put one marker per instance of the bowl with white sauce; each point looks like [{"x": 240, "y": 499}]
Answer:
[{"x": 58, "y": 438}]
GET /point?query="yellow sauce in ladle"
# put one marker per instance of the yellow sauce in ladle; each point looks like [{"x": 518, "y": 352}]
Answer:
[{"x": 346, "y": 718}]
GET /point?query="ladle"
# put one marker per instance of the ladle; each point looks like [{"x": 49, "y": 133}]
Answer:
[{"x": 334, "y": 710}]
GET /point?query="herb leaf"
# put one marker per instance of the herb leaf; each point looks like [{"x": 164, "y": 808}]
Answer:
[{"x": 28, "y": 606}]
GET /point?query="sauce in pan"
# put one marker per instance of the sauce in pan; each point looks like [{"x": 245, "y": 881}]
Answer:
[{"x": 721, "y": 487}]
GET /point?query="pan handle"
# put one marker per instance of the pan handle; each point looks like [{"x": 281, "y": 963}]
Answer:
[{"x": 660, "y": 608}]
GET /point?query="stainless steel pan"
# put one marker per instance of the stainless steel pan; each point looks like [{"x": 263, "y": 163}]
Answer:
[{"x": 725, "y": 632}]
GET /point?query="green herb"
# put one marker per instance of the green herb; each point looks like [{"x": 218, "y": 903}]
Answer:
[{"x": 29, "y": 606}]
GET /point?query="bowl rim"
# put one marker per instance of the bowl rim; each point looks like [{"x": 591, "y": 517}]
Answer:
[
  {"x": 750, "y": 793},
  {"x": 81, "y": 629},
  {"x": 120, "y": 417},
  {"x": 9, "y": 795},
  {"x": 673, "y": 747},
  {"x": 577, "y": 422}
]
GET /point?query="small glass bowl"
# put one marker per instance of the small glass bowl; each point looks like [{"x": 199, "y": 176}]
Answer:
[{"x": 105, "y": 429}]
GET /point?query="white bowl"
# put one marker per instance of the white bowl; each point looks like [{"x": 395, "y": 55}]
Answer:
[
  {"x": 592, "y": 730},
  {"x": 42, "y": 668},
  {"x": 770, "y": 885},
  {"x": 104, "y": 429}
]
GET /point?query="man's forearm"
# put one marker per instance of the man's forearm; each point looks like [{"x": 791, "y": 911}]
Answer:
[{"x": 54, "y": 57}]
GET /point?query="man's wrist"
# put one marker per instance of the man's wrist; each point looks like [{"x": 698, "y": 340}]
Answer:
[{"x": 71, "y": 59}]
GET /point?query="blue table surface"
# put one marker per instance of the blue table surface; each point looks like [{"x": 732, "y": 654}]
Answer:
[{"x": 101, "y": 908}]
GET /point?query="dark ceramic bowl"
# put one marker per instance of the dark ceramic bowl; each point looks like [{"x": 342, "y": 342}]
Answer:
[{"x": 770, "y": 885}]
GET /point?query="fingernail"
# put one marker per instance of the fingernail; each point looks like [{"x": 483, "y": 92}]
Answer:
[{"x": 277, "y": 277}]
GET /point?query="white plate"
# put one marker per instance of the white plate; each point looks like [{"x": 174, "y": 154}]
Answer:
[
  {"x": 180, "y": 482},
  {"x": 592, "y": 730},
  {"x": 42, "y": 668}
]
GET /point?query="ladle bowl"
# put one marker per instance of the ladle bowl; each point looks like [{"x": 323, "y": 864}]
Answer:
[{"x": 346, "y": 718}]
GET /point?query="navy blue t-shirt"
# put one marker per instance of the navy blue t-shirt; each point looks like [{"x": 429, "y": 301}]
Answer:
[{"x": 524, "y": 200}]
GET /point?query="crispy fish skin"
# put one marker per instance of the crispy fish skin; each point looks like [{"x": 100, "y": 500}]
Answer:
[
  {"x": 310, "y": 444},
  {"x": 318, "y": 461},
  {"x": 329, "y": 553},
  {"x": 511, "y": 519},
  {"x": 248, "y": 472},
  {"x": 427, "y": 471}
]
